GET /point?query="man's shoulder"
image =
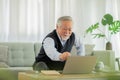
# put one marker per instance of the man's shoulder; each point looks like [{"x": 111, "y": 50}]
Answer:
[
  {"x": 73, "y": 35},
  {"x": 52, "y": 33}
]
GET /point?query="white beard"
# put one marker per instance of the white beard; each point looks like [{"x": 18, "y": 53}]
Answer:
[{"x": 65, "y": 38}]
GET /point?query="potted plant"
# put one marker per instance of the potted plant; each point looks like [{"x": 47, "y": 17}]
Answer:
[{"x": 112, "y": 27}]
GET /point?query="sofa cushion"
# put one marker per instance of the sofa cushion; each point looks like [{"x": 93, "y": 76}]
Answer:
[
  {"x": 20, "y": 54},
  {"x": 88, "y": 49},
  {"x": 3, "y": 53},
  {"x": 37, "y": 47},
  {"x": 3, "y": 65},
  {"x": 7, "y": 74}
]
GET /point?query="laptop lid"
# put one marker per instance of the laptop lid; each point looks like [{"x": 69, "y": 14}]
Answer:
[{"x": 79, "y": 64}]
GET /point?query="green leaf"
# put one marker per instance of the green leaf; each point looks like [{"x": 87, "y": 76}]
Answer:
[
  {"x": 98, "y": 35},
  {"x": 92, "y": 28},
  {"x": 115, "y": 27},
  {"x": 107, "y": 19}
]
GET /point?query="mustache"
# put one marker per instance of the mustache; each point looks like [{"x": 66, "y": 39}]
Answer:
[
  {"x": 65, "y": 38},
  {"x": 67, "y": 34}
]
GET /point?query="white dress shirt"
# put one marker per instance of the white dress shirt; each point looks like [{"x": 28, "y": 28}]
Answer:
[{"x": 53, "y": 54}]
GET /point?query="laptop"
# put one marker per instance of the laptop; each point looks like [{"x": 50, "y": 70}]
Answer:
[{"x": 79, "y": 64}]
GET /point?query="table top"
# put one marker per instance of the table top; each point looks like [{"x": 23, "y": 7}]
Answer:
[{"x": 56, "y": 76}]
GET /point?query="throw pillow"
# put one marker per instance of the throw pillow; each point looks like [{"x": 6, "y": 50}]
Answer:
[{"x": 3, "y": 53}]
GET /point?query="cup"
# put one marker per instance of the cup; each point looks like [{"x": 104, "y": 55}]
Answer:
[{"x": 99, "y": 66}]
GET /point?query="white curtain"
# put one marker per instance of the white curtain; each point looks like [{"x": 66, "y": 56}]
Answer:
[{"x": 32, "y": 20}]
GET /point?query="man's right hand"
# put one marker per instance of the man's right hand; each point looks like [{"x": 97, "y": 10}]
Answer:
[{"x": 64, "y": 56}]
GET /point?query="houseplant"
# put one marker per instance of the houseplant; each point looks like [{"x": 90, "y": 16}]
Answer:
[{"x": 110, "y": 25}]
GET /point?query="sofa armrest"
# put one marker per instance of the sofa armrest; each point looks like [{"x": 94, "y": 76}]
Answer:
[
  {"x": 118, "y": 61},
  {"x": 107, "y": 57}
]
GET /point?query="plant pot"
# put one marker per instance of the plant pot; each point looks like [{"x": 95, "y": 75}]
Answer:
[{"x": 108, "y": 46}]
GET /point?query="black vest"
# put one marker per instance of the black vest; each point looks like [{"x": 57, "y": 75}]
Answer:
[{"x": 56, "y": 65}]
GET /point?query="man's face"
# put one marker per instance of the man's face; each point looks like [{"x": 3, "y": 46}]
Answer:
[{"x": 65, "y": 29}]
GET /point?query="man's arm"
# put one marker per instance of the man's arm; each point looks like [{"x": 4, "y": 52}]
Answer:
[
  {"x": 51, "y": 51},
  {"x": 79, "y": 46}
]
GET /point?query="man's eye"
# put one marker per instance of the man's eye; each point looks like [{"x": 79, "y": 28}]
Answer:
[
  {"x": 70, "y": 29},
  {"x": 64, "y": 29}
]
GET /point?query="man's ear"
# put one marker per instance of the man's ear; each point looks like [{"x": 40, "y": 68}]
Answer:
[{"x": 56, "y": 26}]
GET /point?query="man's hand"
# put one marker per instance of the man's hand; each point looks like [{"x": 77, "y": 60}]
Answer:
[{"x": 64, "y": 56}]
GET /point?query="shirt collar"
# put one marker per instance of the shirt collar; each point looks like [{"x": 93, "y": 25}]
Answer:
[{"x": 62, "y": 41}]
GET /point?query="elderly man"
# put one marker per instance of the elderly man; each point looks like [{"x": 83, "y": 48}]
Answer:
[{"x": 57, "y": 45}]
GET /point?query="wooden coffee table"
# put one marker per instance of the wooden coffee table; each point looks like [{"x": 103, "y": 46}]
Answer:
[{"x": 93, "y": 76}]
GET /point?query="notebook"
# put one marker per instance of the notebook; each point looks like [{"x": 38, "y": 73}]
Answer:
[{"x": 79, "y": 64}]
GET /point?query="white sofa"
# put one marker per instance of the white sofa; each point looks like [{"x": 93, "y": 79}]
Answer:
[{"x": 19, "y": 56}]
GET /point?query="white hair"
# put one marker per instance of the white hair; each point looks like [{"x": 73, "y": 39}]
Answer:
[{"x": 63, "y": 18}]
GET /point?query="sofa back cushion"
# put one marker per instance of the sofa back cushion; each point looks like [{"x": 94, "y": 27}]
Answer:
[
  {"x": 88, "y": 49},
  {"x": 37, "y": 47},
  {"x": 20, "y": 54}
]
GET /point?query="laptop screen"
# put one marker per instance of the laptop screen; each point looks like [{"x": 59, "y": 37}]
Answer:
[{"x": 79, "y": 64}]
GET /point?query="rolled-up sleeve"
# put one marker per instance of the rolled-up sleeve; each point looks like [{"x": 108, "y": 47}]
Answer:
[
  {"x": 79, "y": 46},
  {"x": 50, "y": 50}
]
